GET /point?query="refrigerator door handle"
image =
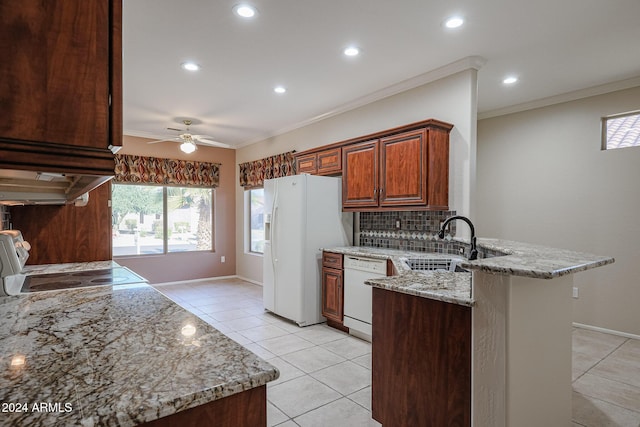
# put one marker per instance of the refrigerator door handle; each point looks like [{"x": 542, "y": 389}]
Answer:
[{"x": 274, "y": 220}]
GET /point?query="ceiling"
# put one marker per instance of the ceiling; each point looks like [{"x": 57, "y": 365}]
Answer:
[{"x": 554, "y": 47}]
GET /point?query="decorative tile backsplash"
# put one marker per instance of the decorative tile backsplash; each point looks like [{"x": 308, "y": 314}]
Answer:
[{"x": 417, "y": 231}]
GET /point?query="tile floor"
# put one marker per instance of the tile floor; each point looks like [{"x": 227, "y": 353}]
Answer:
[{"x": 325, "y": 375}]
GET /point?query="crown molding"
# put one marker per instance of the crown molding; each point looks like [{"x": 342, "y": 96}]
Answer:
[
  {"x": 564, "y": 97},
  {"x": 469, "y": 62}
]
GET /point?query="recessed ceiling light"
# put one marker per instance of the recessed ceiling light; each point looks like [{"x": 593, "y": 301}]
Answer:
[
  {"x": 279, "y": 89},
  {"x": 454, "y": 22},
  {"x": 245, "y": 10},
  {"x": 509, "y": 80},
  {"x": 351, "y": 51},
  {"x": 190, "y": 66}
]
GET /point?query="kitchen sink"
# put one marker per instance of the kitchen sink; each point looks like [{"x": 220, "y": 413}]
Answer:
[{"x": 435, "y": 264}]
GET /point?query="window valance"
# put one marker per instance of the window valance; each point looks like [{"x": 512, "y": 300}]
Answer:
[
  {"x": 253, "y": 174},
  {"x": 153, "y": 170}
]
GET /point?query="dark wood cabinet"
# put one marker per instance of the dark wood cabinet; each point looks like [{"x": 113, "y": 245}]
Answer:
[
  {"x": 421, "y": 361},
  {"x": 61, "y": 85},
  {"x": 307, "y": 163},
  {"x": 325, "y": 162},
  {"x": 245, "y": 409},
  {"x": 333, "y": 290},
  {"x": 61, "y": 234},
  {"x": 332, "y": 301},
  {"x": 360, "y": 175},
  {"x": 405, "y": 168}
]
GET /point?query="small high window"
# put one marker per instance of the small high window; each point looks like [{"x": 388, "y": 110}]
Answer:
[{"x": 621, "y": 130}]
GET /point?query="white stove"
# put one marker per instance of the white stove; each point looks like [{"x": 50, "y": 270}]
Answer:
[{"x": 14, "y": 251}]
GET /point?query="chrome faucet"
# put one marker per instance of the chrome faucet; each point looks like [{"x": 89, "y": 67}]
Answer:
[{"x": 473, "y": 253}]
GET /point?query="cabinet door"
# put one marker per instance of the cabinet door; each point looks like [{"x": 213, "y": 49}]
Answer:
[
  {"x": 330, "y": 161},
  {"x": 403, "y": 169},
  {"x": 306, "y": 164},
  {"x": 56, "y": 84},
  {"x": 332, "y": 294},
  {"x": 360, "y": 175}
]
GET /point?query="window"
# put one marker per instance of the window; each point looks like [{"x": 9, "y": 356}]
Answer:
[
  {"x": 256, "y": 220},
  {"x": 621, "y": 130},
  {"x": 150, "y": 219}
]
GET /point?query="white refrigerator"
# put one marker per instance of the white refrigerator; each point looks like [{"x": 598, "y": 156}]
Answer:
[{"x": 303, "y": 214}]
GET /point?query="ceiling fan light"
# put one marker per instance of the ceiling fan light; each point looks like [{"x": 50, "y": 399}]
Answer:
[
  {"x": 245, "y": 10},
  {"x": 454, "y": 22},
  {"x": 190, "y": 66},
  {"x": 351, "y": 51},
  {"x": 188, "y": 147}
]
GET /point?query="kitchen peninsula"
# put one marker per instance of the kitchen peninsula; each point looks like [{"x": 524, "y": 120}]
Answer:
[
  {"x": 123, "y": 355},
  {"x": 495, "y": 349}
]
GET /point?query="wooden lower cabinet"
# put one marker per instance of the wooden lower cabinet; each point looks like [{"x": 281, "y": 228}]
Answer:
[
  {"x": 332, "y": 294},
  {"x": 421, "y": 361},
  {"x": 333, "y": 290},
  {"x": 245, "y": 409}
]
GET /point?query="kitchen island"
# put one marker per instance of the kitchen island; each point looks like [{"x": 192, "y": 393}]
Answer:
[
  {"x": 495, "y": 353},
  {"x": 123, "y": 356}
]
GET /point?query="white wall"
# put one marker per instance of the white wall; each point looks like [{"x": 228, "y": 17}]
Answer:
[
  {"x": 451, "y": 99},
  {"x": 542, "y": 178}
]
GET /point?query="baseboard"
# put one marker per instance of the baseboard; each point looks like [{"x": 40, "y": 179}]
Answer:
[
  {"x": 606, "y": 331},
  {"x": 255, "y": 282},
  {"x": 205, "y": 279}
]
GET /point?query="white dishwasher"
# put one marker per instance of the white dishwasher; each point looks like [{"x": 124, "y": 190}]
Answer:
[{"x": 357, "y": 295}]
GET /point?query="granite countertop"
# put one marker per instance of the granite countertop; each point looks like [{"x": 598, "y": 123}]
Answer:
[
  {"x": 68, "y": 267},
  {"x": 120, "y": 355},
  {"x": 451, "y": 287},
  {"x": 528, "y": 260},
  {"x": 519, "y": 259}
]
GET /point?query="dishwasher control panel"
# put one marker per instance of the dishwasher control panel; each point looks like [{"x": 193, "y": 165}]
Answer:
[{"x": 373, "y": 265}]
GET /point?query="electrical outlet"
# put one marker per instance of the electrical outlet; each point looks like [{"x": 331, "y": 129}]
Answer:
[
  {"x": 575, "y": 292},
  {"x": 223, "y": 258}
]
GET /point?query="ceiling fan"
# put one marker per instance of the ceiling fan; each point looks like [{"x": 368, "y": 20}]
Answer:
[{"x": 189, "y": 142}]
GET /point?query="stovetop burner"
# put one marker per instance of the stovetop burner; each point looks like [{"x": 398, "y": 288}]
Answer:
[{"x": 80, "y": 279}]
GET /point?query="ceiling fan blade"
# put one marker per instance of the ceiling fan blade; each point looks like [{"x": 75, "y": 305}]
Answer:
[
  {"x": 162, "y": 140},
  {"x": 203, "y": 140},
  {"x": 175, "y": 129}
]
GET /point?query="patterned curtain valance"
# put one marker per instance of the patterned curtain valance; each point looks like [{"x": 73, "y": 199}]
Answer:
[
  {"x": 152, "y": 170},
  {"x": 253, "y": 174}
]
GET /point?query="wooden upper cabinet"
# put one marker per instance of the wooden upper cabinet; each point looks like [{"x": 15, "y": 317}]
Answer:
[
  {"x": 61, "y": 85},
  {"x": 403, "y": 164},
  {"x": 405, "y": 168},
  {"x": 325, "y": 162},
  {"x": 397, "y": 169},
  {"x": 307, "y": 164},
  {"x": 360, "y": 175}
]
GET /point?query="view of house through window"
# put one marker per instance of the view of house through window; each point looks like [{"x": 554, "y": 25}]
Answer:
[
  {"x": 620, "y": 131},
  {"x": 150, "y": 219},
  {"x": 256, "y": 222}
]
